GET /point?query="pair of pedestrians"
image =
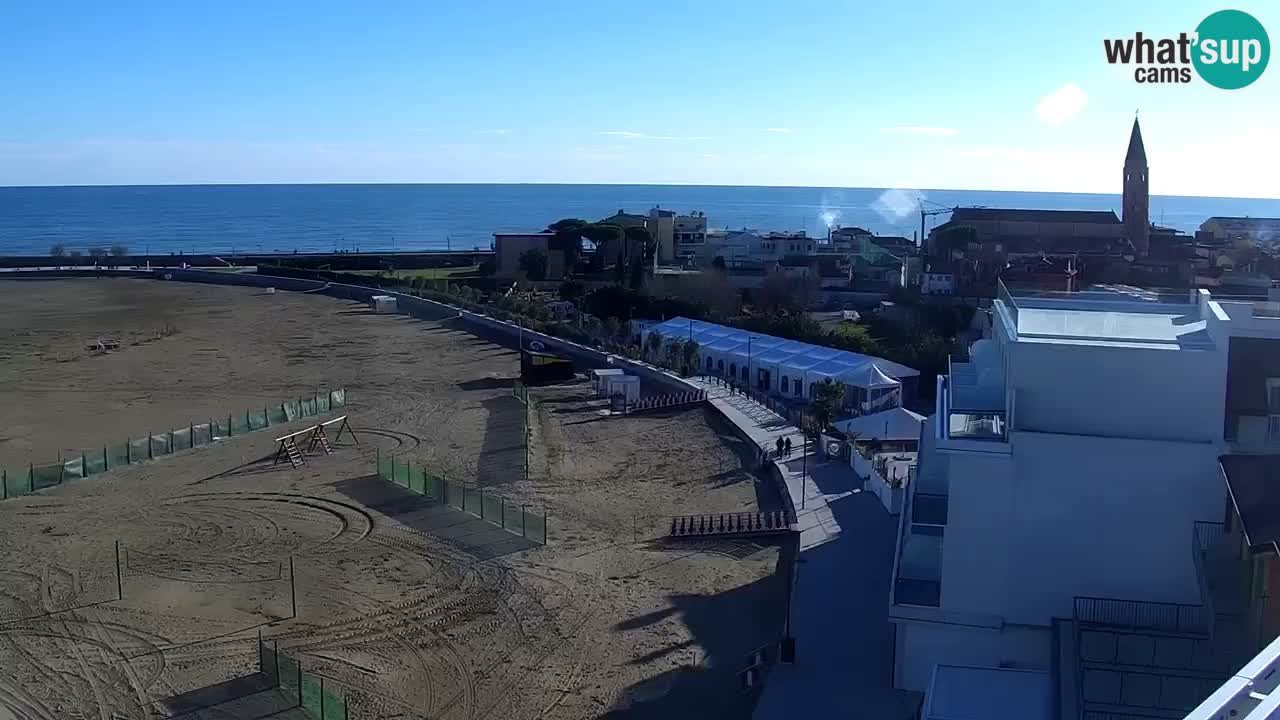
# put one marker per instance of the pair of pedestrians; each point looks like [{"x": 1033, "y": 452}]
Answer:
[{"x": 784, "y": 448}]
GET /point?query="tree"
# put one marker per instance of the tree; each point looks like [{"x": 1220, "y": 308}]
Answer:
[
  {"x": 620, "y": 269},
  {"x": 572, "y": 290},
  {"x": 636, "y": 240},
  {"x": 607, "y": 238},
  {"x": 828, "y": 400},
  {"x": 58, "y": 250},
  {"x": 690, "y": 351},
  {"x": 776, "y": 293},
  {"x": 534, "y": 263},
  {"x": 119, "y": 250},
  {"x": 609, "y": 327},
  {"x": 567, "y": 239},
  {"x": 719, "y": 266},
  {"x": 97, "y": 253},
  {"x": 488, "y": 267},
  {"x": 637, "y": 275},
  {"x": 674, "y": 351},
  {"x": 653, "y": 343}
]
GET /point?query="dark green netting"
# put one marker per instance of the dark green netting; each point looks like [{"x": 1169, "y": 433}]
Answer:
[
  {"x": 291, "y": 410},
  {"x": 181, "y": 439},
  {"x": 276, "y": 415},
  {"x": 160, "y": 445},
  {"x": 258, "y": 420},
  {"x": 310, "y": 694},
  {"x": 535, "y": 526},
  {"x": 117, "y": 455},
  {"x": 335, "y": 706},
  {"x": 512, "y": 518},
  {"x": 290, "y": 675},
  {"x": 239, "y": 424},
  {"x": 322, "y": 403},
  {"x": 95, "y": 463},
  {"x": 139, "y": 449},
  {"x": 43, "y": 476},
  {"x": 73, "y": 469},
  {"x": 221, "y": 429},
  {"x": 471, "y": 500},
  {"x": 309, "y": 407},
  {"x": 201, "y": 435},
  {"x": 491, "y": 508},
  {"x": 338, "y": 398}
]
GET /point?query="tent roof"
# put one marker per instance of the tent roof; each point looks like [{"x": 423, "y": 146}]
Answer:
[
  {"x": 709, "y": 334},
  {"x": 869, "y": 376},
  {"x": 892, "y": 424}
]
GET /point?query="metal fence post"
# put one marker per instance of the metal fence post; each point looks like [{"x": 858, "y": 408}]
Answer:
[
  {"x": 31, "y": 478},
  {"x": 170, "y": 442},
  {"x": 523, "y": 522},
  {"x": 128, "y": 450},
  {"x": 502, "y": 511},
  {"x": 481, "y": 503},
  {"x": 4, "y": 484},
  {"x": 321, "y": 697},
  {"x": 275, "y": 653},
  {"x": 151, "y": 453},
  {"x": 106, "y": 463}
]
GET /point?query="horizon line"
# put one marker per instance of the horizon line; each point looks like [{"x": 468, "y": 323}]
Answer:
[{"x": 607, "y": 184}]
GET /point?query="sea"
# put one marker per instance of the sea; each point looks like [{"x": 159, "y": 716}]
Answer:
[{"x": 199, "y": 219}]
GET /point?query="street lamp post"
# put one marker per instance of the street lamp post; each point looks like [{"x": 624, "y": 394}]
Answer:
[{"x": 804, "y": 470}]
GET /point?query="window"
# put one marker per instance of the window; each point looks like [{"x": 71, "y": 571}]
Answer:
[
  {"x": 786, "y": 384},
  {"x": 733, "y": 369}
]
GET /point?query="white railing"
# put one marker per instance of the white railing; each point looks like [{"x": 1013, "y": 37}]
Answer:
[{"x": 1250, "y": 694}]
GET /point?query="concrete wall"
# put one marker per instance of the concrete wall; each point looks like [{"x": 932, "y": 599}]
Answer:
[
  {"x": 1069, "y": 515},
  {"x": 923, "y": 645},
  {"x": 1121, "y": 392}
]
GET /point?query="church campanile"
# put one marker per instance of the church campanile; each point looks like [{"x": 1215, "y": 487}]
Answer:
[{"x": 1135, "y": 212}]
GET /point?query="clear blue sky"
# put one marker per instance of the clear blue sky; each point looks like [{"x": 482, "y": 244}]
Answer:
[{"x": 922, "y": 95}]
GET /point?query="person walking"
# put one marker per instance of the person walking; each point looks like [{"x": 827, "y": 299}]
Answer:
[
  {"x": 780, "y": 447},
  {"x": 788, "y": 447}
]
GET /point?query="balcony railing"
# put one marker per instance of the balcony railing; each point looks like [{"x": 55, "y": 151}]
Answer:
[{"x": 1142, "y": 615}]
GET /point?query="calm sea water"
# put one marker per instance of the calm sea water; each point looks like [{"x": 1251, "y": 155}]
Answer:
[{"x": 320, "y": 218}]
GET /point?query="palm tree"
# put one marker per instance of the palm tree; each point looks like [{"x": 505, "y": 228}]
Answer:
[
  {"x": 653, "y": 343},
  {"x": 828, "y": 401},
  {"x": 690, "y": 350}
]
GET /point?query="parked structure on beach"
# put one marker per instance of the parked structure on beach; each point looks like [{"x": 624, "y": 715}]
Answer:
[{"x": 1068, "y": 520}]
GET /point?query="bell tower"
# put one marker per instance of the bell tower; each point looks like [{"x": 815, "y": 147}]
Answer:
[{"x": 1135, "y": 212}]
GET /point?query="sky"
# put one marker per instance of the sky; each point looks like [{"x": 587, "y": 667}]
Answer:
[{"x": 931, "y": 95}]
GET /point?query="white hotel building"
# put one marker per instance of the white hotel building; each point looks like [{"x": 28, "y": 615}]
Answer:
[{"x": 1069, "y": 548}]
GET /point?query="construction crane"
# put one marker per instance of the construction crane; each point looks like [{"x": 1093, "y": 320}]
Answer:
[{"x": 937, "y": 210}]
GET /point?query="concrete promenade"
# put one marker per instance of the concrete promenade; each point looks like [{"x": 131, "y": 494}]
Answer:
[{"x": 840, "y": 604}]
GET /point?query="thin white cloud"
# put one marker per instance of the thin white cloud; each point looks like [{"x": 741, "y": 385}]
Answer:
[
  {"x": 921, "y": 130},
  {"x": 497, "y": 131},
  {"x": 630, "y": 135},
  {"x": 1062, "y": 105},
  {"x": 780, "y": 130}
]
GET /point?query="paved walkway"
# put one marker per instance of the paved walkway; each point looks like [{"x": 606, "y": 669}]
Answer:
[{"x": 840, "y": 605}]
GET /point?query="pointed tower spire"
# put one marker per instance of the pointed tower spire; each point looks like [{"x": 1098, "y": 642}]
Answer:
[
  {"x": 1137, "y": 194},
  {"x": 1137, "y": 153}
]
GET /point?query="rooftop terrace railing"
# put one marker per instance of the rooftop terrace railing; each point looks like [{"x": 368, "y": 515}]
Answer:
[{"x": 1143, "y": 615}]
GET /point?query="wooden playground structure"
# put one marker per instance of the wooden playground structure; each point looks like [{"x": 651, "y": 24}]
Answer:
[
  {"x": 315, "y": 438},
  {"x": 741, "y": 524}
]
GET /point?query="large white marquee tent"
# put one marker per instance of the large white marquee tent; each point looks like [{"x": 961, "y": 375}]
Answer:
[{"x": 790, "y": 368}]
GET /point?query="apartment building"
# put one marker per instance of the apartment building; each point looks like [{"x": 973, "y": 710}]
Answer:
[{"x": 1061, "y": 537}]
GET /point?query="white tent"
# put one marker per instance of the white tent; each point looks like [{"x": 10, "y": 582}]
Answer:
[
  {"x": 892, "y": 424},
  {"x": 872, "y": 390},
  {"x": 870, "y": 377}
]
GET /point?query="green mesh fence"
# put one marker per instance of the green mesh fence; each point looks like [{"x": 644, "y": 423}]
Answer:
[
  {"x": 43, "y": 476},
  {"x": 73, "y": 469},
  {"x": 334, "y": 706},
  {"x": 491, "y": 508},
  {"x": 133, "y": 450},
  {"x": 160, "y": 445},
  {"x": 201, "y": 435},
  {"x": 471, "y": 500},
  {"x": 512, "y": 518},
  {"x": 535, "y": 527},
  {"x": 317, "y": 698},
  {"x": 117, "y": 455},
  {"x": 310, "y": 694},
  {"x": 495, "y": 509},
  {"x": 95, "y": 463}
]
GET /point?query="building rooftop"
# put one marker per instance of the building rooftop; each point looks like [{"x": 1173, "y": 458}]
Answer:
[
  {"x": 976, "y": 693},
  {"x": 1254, "y": 484},
  {"x": 964, "y": 214},
  {"x": 1113, "y": 316}
]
